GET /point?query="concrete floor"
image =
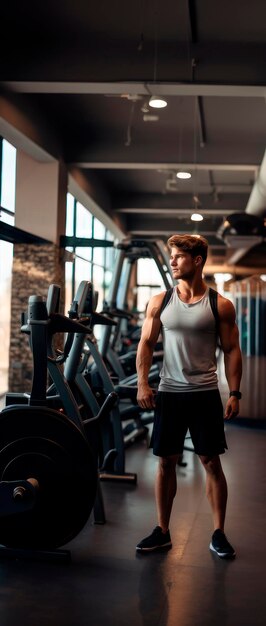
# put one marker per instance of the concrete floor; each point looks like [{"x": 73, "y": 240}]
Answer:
[{"x": 107, "y": 583}]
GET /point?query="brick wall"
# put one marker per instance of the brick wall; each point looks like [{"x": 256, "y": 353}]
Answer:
[{"x": 35, "y": 267}]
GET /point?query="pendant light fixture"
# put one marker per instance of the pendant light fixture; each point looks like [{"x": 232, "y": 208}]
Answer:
[
  {"x": 196, "y": 217},
  {"x": 156, "y": 102},
  {"x": 182, "y": 174}
]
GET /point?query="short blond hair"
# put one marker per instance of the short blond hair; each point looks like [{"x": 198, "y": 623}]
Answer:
[{"x": 194, "y": 245}]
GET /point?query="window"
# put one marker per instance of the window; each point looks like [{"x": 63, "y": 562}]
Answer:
[
  {"x": 84, "y": 221},
  {"x": 90, "y": 262},
  {"x": 8, "y": 182},
  {"x": 149, "y": 281},
  {"x": 7, "y": 201},
  {"x": 70, "y": 212}
]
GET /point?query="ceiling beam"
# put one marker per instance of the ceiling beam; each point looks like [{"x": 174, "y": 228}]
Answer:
[
  {"x": 166, "y": 233},
  {"x": 236, "y": 270},
  {"x": 123, "y": 165},
  {"x": 164, "y": 212},
  {"x": 136, "y": 88}
]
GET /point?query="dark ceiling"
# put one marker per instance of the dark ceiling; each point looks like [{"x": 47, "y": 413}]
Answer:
[{"x": 86, "y": 70}]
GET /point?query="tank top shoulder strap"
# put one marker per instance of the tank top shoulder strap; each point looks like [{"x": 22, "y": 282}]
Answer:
[
  {"x": 213, "y": 297},
  {"x": 166, "y": 298}
]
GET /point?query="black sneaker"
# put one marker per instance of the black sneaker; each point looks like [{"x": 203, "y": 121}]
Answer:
[
  {"x": 221, "y": 546},
  {"x": 155, "y": 541}
]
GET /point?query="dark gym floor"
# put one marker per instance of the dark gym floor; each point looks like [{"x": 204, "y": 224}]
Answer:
[{"x": 108, "y": 583}]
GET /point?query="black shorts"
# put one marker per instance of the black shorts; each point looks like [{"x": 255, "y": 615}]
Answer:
[{"x": 199, "y": 412}]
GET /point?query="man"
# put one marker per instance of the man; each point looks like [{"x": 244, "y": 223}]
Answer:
[{"x": 188, "y": 395}]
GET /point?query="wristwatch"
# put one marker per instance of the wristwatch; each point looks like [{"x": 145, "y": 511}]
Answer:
[{"x": 236, "y": 394}]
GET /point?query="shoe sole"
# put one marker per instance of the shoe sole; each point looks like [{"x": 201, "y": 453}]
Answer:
[
  {"x": 222, "y": 555},
  {"x": 165, "y": 545}
]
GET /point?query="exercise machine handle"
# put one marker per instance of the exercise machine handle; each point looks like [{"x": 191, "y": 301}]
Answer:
[{"x": 104, "y": 410}]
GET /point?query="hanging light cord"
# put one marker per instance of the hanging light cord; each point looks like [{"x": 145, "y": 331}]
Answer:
[
  {"x": 155, "y": 41},
  {"x": 195, "y": 198},
  {"x": 129, "y": 126}
]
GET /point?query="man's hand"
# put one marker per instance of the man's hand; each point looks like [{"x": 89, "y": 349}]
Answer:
[
  {"x": 146, "y": 397},
  {"x": 232, "y": 408}
]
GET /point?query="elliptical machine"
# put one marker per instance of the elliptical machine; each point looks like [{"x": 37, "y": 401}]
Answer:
[{"x": 48, "y": 469}]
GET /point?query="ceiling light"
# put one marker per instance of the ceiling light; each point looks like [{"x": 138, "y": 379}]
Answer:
[
  {"x": 157, "y": 102},
  {"x": 196, "y": 217},
  {"x": 221, "y": 277},
  {"x": 147, "y": 117},
  {"x": 183, "y": 175}
]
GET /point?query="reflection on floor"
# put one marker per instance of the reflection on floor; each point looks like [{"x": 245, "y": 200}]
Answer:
[{"x": 107, "y": 583}]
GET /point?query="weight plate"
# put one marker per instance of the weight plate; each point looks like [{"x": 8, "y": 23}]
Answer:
[{"x": 41, "y": 443}]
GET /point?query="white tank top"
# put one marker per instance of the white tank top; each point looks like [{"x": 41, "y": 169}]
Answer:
[{"x": 189, "y": 340}]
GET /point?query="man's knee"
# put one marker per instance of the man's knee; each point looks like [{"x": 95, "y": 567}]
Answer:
[
  {"x": 168, "y": 463},
  {"x": 211, "y": 464}
]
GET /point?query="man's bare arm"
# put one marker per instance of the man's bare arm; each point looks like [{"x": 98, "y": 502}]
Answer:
[
  {"x": 229, "y": 337},
  {"x": 149, "y": 336}
]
